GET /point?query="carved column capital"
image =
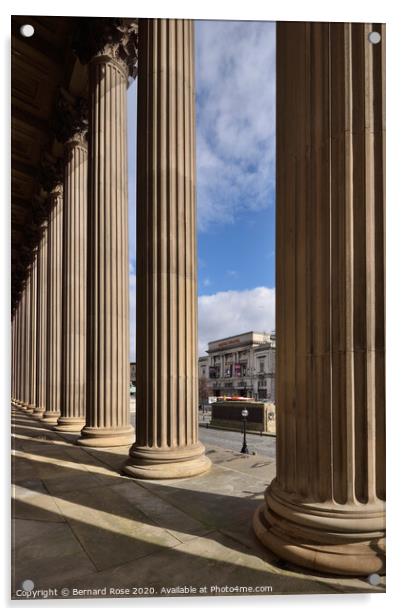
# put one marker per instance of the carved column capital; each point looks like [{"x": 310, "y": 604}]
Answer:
[
  {"x": 70, "y": 117},
  {"x": 57, "y": 190},
  {"x": 78, "y": 139},
  {"x": 108, "y": 39},
  {"x": 50, "y": 173}
]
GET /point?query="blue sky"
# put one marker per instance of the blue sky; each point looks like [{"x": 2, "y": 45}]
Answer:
[{"x": 235, "y": 85}]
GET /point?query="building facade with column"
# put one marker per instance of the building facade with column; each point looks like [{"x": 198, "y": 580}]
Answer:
[
  {"x": 242, "y": 365},
  {"x": 70, "y": 341}
]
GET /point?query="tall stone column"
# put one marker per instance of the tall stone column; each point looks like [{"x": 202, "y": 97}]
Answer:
[
  {"x": 31, "y": 341},
  {"x": 73, "y": 365},
  {"x": 13, "y": 330},
  {"x": 41, "y": 327},
  {"x": 167, "y": 442},
  {"x": 54, "y": 308},
  {"x": 20, "y": 350},
  {"x": 326, "y": 507},
  {"x": 13, "y": 342},
  {"x": 26, "y": 299},
  {"x": 107, "y": 411},
  {"x": 17, "y": 359}
]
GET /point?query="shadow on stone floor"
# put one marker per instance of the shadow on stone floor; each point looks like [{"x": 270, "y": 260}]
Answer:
[
  {"x": 79, "y": 554},
  {"x": 118, "y": 520},
  {"x": 83, "y": 484},
  {"x": 53, "y": 558},
  {"x": 39, "y": 433}
]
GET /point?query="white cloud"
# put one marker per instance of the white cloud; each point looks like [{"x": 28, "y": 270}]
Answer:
[
  {"x": 226, "y": 313},
  {"x": 233, "y": 312},
  {"x": 235, "y": 118}
]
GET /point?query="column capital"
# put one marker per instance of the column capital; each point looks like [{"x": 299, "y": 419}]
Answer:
[
  {"x": 50, "y": 174},
  {"x": 79, "y": 138},
  {"x": 57, "y": 191},
  {"x": 70, "y": 117},
  {"x": 115, "y": 40},
  {"x": 43, "y": 226}
]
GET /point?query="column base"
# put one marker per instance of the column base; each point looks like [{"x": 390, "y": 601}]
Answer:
[
  {"x": 106, "y": 437},
  {"x": 38, "y": 412},
  {"x": 169, "y": 463},
  {"x": 327, "y": 537},
  {"x": 70, "y": 424},
  {"x": 51, "y": 417}
]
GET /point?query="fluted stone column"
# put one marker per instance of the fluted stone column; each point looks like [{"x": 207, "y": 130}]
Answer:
[
  {"x": 167, "y": 442},
  {"x": 14, "y": 392},
  {"x": 73, "y": 365},
  {"x": 20, "y": 350},
  {"x": 26, "y": 299},
  {"x": 107, "y": 412},
  {"x": 54, "y": 307},
  {"x": 41, "y": 327},
  {"x": 13, "y": 341},
  {"x": 17, "y": 353},
  {"x": 31, "y": 341},
  {"x": 13, "y": 330},
  {"x": 326, "y": 507}
]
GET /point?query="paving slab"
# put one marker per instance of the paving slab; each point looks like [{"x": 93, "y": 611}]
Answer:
[
  {"x": 161, "y": 512},
  {"x": 253, "y": 466},
  {"x": 218, "y": 498},
  {"x": 210, "y": 565},
  {"x": 22, "y": 471},
  {"x": 47, "y": 553},
  {"x": 113, "y": 458},
  {"x": 110, "y": 528},
  {"x": 31, "y": 500}
]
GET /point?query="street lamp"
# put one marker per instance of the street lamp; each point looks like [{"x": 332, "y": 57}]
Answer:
[{"x": 244, "y": 415}]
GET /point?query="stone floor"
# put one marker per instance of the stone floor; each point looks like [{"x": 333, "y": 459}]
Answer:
[{"x": 82, "y": 529}]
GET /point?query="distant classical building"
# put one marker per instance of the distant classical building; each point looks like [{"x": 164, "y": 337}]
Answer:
[{"x": 242, "y": 365}]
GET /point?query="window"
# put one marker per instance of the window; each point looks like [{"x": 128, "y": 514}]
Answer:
[
  {"x": 228, "y": 370},
  {"x": 214, "y": 372}
]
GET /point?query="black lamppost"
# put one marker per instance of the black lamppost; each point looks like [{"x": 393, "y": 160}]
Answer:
[{"x": 244, "y": 415}]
